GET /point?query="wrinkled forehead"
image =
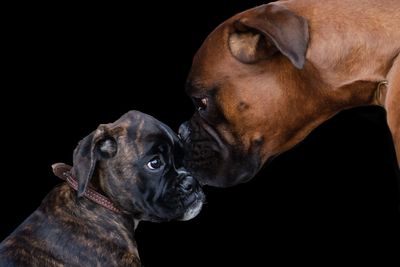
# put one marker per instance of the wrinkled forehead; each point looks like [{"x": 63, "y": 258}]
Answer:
[
  {"x": 211, "y": 52},
  {"x": 141, "y": 127},
  {"x": 213, "y": 60}
]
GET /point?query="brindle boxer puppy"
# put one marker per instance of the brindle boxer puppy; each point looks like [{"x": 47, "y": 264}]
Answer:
[
  {"x": 136, "y": 163},
  {"x": 265, "y": 78}
]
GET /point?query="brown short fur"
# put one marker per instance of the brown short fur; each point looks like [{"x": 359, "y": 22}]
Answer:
[{"x": 274, "y": 73}]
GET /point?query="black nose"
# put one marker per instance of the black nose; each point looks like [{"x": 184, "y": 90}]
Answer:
[
  {"x": 187, "y": 184},
  {"x": 184, "y": 130}
]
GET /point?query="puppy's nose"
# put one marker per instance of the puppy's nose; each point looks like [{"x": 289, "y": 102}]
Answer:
[{"x": 187, "y": 184}]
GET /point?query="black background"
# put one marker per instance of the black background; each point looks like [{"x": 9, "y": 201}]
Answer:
[{"x": 73, "y": 67}]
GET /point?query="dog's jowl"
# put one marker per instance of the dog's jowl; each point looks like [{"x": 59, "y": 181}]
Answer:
[{"x": 123, "y": 172}]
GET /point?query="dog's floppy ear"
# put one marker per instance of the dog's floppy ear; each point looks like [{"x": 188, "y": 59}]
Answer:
[
  {"x": 100, "y": 144},
  {"x": 269, "y": 29}
]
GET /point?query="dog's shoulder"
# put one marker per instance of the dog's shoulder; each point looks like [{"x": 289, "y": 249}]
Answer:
[{"x": 45, "y": 226}]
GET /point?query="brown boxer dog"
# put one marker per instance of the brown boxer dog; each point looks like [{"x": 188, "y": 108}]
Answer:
[
  {"x": 265, "y": 78},
  {"x": 124, "y": 172}
]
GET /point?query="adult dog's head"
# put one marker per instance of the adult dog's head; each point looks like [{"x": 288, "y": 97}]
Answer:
[
  {"x": 137, "y": 163},
  {"x": 254, "y": 93}
]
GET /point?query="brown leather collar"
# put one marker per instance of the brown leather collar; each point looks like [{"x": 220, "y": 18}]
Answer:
[
  {"x": 380, "y": 95},
  {"x": 63, "y": 171}
]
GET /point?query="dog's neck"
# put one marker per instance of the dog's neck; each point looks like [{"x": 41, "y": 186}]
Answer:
[
  {"x": 95, "y": 184},
  {"x": 94, "y": 194},
  {"x": 335, "y": 100},
  {"x": 359, "y": 93},
  {"x": 83, "y": 213}
]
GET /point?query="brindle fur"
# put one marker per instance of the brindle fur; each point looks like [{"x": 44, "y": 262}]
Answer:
[{"x": 68, "y": 229}]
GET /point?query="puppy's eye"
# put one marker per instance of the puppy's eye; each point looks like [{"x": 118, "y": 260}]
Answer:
[
  {"x": 200, "y": 103},
  {"x": 154, "y": 164}
]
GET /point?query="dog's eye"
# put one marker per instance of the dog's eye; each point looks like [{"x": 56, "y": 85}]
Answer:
[
  {"x": 154, "y": 164},
  {"x": 200, "y": 103}
]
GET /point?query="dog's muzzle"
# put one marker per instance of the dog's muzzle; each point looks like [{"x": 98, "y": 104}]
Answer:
[
  {"x": 210, "y": 158},
  {"x": 193, "y": 196}
]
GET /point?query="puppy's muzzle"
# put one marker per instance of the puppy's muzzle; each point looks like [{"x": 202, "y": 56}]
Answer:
[{"x": 193, "y": 196}]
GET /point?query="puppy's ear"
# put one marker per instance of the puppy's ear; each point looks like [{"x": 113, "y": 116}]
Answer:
[
  {"x": 100, "y": 144},
  {"x": 269, "y": 29}
]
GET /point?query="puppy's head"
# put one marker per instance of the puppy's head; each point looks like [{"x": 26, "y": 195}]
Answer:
[{"x": 137, "y": 162}]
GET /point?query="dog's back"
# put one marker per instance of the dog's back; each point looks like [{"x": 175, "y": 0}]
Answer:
[
  {"x": 356, "y": 41},
  {"x": 64, "y": 232},
  {"x": 346, "y": 34}
]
